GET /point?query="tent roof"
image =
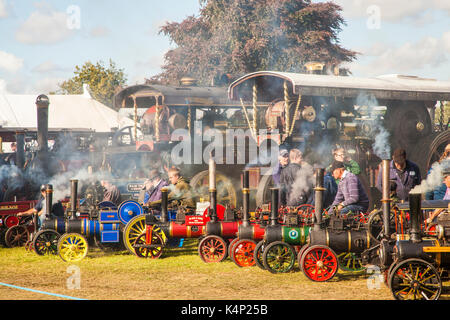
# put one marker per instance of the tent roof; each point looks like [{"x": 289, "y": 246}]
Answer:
[{"x": 72, "y": 112}]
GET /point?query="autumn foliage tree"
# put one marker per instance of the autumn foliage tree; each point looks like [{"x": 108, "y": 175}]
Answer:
[
  {"x": 241, "y": 36},
  {"x": 102, "y": 80}
]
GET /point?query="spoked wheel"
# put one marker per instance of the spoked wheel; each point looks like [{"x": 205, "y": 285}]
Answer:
[
  {"x": 415, "y": 279},
  {"x": 133, "y": 229},
  {"x": 230, "y": 247},
  {"x": 242, "y": 253},
  {"x": 72, "y": 247},
  {"x": 376, "y": 224},
  {"x": 319, "y": 263},
  {"x": 16, "y": 236},
  {"x": 279, "y": 257},
  {"x": 300, "y": 253},
  {"x": 153, "y": 250},
  {"x": 258, "y": 254},
  {"x": 349, "y": 261},
  {"x": 212, "y": 249},
  {"x": 46, "y": 242}
]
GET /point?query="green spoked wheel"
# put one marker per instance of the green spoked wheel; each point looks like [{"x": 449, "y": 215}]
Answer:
[
  {"x": 349, "y": 261},
  {"x": 72, "y": 247},
  {"x": 258, "y": 254},
  {"x": 415, "y": 279},
  {"x": 319, "y": 263},
  {"x": 152, "y": 250},
  {"x": 242, "y": 253},
  {"x": 212, "y": 249},
  {"x": 279, "y": 257},
  {"x": 45, "y": 242}
]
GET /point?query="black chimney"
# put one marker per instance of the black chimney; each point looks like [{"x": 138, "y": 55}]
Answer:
[
  {"x": 73, "y": 198},
  {"x": 274, "y": 207},
  {"x": 42, "y": 103},
  {"x": 48, "y": 201},
  {"x": 318, "y": 198},
  {"x": 20, "y": 151},
  {"x": 164, "y": 203},
  {"x": 414, "y": 215},
  {"x": 246, "y": 200}
]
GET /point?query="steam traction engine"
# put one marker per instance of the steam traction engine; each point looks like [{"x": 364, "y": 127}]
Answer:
[{"x": 71, "y": 236}]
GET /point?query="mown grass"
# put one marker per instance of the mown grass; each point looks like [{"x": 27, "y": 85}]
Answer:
[{"x": 178, "y": 274}]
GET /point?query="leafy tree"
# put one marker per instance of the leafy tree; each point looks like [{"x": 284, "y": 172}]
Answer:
[
  {"x": 102, "y": 81},
  {"x": 240, "y": 36}
]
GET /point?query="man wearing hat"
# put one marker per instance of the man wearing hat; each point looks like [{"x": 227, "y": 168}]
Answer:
[
  {"x": 350, "y": 195},
  {"x": 403, "y": 173},
  {"x": 39, "y": 208},
  {"x": 154, "y": 186},
  {"x": 283, "y": 161}
]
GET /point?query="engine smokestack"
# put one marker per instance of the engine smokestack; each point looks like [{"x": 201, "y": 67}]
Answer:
[
  {"x": 42, "y": 103},
  {"x": 73, "y": 198},
  {"x": 318, "y": 198},
  {"x": 164, "y": 203},
  {"x": 386, "y": 199},
  {"x": 415, "y": 214},
  {"x": 274, "y": 207},
  {"x": 20, "y": 151},
  {"x": 246, "y": 199},
  {"x": 48, "y": 201},
  {"x": 212, "y": 189}
]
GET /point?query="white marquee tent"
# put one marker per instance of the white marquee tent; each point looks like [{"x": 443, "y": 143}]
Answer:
[{"x": 72, "y": 112}]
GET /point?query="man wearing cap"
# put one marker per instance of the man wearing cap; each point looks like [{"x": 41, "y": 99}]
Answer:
[
  {"x": 39, "y": 208},
  {"x": 283, "y": 161},
  {"x": 350, "y": 195},
  {"x": 155, "y": 184},
  {"x": 403, "y": 173}
]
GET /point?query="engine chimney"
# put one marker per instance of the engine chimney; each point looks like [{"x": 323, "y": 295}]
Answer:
[
  {"x": 386, "y": 199},
  {"x": 73, "y": 198},
  {"x": 42, "y": 103},
  {"x": 164, "y": 203},
  {"x": 274, "y": 207},
  {"x": 20, "y": 151},
  {"x": 212, "y": 190},
  {"x": 415, "y": 211},
  {"x": 246, "y": 199},
  {"x": 318, "y": 198},
  {"x": 48, "y": 201}
]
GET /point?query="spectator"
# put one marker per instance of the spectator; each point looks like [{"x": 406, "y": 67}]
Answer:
[
  {"x": 111, "y": 192},
  {"x": 403, "y": 173},
  {"x": 283, "y": 161},
  {"x": 446, "y": 196},
  {"x": 295, "y": 188},
  {"x": 339, "y": 154},
  {"x": 38, "y": 209},
  {"x": 439, "y": 192},
  {"x": 156, "y": 183},
  {"x": 350, "y": 196},
  {"x": 180, "y": 189}
]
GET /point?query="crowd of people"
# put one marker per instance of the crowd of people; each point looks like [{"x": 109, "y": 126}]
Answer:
[{"x": 343, "y": 190}]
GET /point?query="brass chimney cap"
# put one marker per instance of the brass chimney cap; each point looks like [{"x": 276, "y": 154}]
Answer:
[{"x": 188, "y": 81}]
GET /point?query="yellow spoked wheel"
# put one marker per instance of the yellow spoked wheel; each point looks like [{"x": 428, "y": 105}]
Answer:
[
  {"x": 72, "y": 247},
  {"x": 133, "y": 229}
]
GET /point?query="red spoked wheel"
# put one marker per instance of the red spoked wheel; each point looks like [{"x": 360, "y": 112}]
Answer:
[
  {"x": 319, "y": 263},
  {"x": 11, "y": 221},
  {"x": 230, "y": 247},
  {"x": 242, "y": 253},
  {"x": 212, "y": 249},
  {"x": 17, "y": 236}
]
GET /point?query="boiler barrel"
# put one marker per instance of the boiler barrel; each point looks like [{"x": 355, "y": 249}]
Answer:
[{"x": 345, "y": 241}]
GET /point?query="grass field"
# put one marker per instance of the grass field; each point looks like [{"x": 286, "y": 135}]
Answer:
[{"x": 178, "y": 275}]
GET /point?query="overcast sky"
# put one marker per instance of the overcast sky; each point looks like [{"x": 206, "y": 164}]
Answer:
[{"x": 43, "y": 41}]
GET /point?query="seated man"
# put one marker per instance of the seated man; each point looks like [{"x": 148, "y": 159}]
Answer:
[
  {"x": 153, "y": 190},
  {"x": 112, "y": 193},
  {"x": 180, "y": 189},
  {"x": 350, "y": 195}
]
